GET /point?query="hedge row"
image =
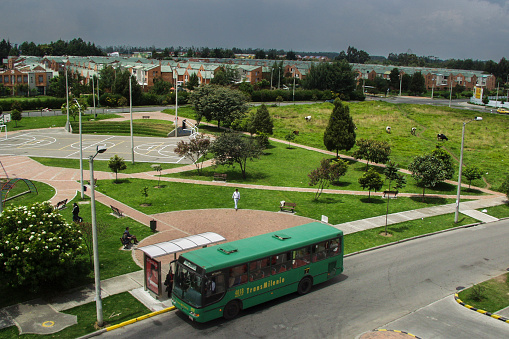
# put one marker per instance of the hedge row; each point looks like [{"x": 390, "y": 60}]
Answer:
[
  {"x": 266, "y": 95},
  {"x": 33, "y": 104}
]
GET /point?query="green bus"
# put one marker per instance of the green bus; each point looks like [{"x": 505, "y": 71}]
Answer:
[{"x": 222, "y": 280}]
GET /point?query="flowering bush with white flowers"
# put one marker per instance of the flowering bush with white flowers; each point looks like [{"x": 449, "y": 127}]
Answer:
[{"x": 37, "y": 246}]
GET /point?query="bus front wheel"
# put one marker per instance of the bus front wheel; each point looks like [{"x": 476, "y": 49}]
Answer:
[
  {"x": 231, "y": 310},
  {"x": 305, "y": 285}
]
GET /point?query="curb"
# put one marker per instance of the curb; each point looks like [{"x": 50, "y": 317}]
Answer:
[
  {"x": 127, "y": 322},
  {"x": 412, "y": 238},
  {"x": 495, "y": 316},
  {"x": 397, "y": 331}
]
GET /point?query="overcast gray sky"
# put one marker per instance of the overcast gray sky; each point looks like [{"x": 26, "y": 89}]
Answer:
[{"x": 461, "y": 29}]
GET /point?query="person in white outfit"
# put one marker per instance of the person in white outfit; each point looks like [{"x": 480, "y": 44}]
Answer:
[{"x": 236, "y": 198}]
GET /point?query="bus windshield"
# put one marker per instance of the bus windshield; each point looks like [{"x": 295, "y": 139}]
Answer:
[{"x": 188, "y": 285}]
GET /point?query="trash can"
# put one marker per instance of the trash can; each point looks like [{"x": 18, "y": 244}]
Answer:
[{"x": 153, "y": 225}]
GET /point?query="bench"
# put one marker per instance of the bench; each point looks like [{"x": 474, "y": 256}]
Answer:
[
  {"x": 61, "y": 205},
  {"x": 116, "y": 212},
  {"x": 146, "y": 116},
  {"x": 389, "y": 193},
  {"x": 220, "y": 177},
  {"x": 287, "y": 206},
  {"x": 95, "y": 182},
  {"x": 126, "y": 242}
]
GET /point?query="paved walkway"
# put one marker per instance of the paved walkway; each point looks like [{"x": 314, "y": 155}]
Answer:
[{"x": 42, "y": 316}]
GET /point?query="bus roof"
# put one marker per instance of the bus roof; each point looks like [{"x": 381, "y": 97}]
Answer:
[{"x": 241, "y": 251}]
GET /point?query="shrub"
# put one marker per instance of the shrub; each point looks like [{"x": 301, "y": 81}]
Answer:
[{"x": 37, "y": 246}]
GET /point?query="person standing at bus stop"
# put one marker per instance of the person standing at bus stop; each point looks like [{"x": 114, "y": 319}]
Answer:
[{"x": 236, "y": 198}]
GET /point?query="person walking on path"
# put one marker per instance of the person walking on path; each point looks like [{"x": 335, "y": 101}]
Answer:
[
  {"x": 75, "y": 213},
  {"x": 236, "y": 198}
]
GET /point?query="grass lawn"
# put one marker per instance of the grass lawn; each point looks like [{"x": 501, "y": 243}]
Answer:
[
  {"x": 44, "y": 193},
  {"x": 101, "y": 165},
  {"x": 375, "y": 237},
  {"x": 500, "y": 211},
  {"x": 116, "y": 309},
  {"x": 494, "y": 294},
  {"x": 284, "y": 166},
  {"x": 179, "y": 196}
]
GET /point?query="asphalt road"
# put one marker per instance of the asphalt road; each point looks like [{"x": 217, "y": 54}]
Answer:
[{"x": 406, "y": 287}]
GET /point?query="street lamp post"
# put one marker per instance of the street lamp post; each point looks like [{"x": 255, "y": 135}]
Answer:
[
  {"x": 456, "y": 213},
  {"x": 432, "y": 87},
  {"x": 67, "y": 97},
  {"x": 98, "y": 300},
  {"x": 81, "y": 152}
]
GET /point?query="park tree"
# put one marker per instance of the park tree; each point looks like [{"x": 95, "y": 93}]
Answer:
[
  {"x": 158, "y": 168},
  {"x": 371, "y": 180},
  {"x": 16, "y": 116},
  {"x": 428, "y": 170},
  {"x": 37, "y": 246},
  {"x": 234, "y": 148},
  {"x": 394, "y": 78},
  {"x": 194, "y": 150},
  {"x": 391, "y": 174},
  {"x": 85, "y": 229},
  {"x": 417, "y": 84},
  {"x": 225, "y": 76},
  {"x": 74, "y": 108},
  {"x": 193, "y": 82},
  {"x": 246, "y": 88},
  {"x": 161, "y": 87},
  {"x": 328, "y": 172},
  {"x": 117, "y": 164},
  {"x": 261, "y": 121},
  {"x": 107, "y": 75},
  {"x": 340, "y": 131},
  {"x": 290, "y": 137},
  {"x": 121, "y": 85},
  {"x": 472, "y": 173},
  {"x": 372, "y": 150},
  {"x": 446, "y": 160},
  {"x": 337, "y": 77},
  {"x": 219, "y": 103}
]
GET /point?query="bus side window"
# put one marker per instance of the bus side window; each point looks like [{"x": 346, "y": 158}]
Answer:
[
  {"x": 302, "y": 257},
  {"x": 319, "y": 252},
  {"x": 214, "y": 287},
  {"x": 237, "y": 275},
  {"x": 335, "y": 247}
]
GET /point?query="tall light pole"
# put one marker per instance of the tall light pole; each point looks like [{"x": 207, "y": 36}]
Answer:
[
  {"x": 293, "y": 95},
  {"x": 400, "y": 82},
  {"x": 432, "y": 87},
  {"x": 81, "y": 152},
  {"x": 450, "y": 92},
  {"x": 279, "y": 78},
  {"x": 176, "y": 104},
  {"x": 456, "y": 213},
  {"x": 271, "y": 78},
  {"x": 67, "y": 96},
  {"x": 93, "y": 96},
  {"x": 98, "y": 300},
  {"x": 131, "y": 111}
]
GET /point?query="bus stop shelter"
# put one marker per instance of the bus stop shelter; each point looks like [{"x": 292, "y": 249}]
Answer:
[{"x": 152, "y": 267}]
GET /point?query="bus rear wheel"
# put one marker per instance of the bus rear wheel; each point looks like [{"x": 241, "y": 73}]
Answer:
[
  {"x": 231, "y": 310},
  {"x": 305, "y": 285}
]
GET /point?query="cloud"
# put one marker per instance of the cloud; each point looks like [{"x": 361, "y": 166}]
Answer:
[{"x": 447, "y": 29}]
